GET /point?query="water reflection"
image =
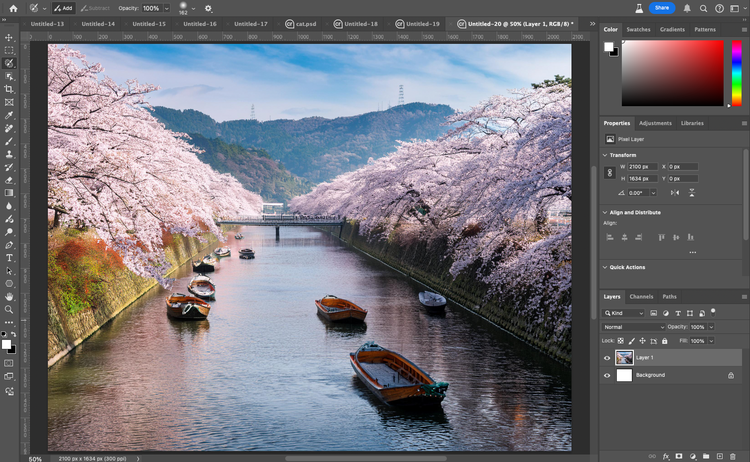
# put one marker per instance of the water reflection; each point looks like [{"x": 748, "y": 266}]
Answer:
[
  {"x": 344, "y": 329},
  {"x": 264, "y": 366},
  {"x": 188, "y": 329}
]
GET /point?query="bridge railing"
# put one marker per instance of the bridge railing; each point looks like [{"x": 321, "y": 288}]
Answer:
[{"x": 284, "y": 219}]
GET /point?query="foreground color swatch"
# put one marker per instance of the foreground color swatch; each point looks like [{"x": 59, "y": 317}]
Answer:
[
  {"x": 673, "y": 73},
  {"x": 736, "y": 72}
]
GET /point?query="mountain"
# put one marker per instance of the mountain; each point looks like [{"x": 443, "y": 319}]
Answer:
[
  {"x": 253, "y": 168},
  {"x": 317, "y": 148}
]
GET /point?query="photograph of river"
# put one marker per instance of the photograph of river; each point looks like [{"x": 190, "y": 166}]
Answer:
[{"x": 368, "y": 172}]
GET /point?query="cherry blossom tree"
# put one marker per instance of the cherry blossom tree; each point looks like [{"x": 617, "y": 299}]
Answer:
[
  {"x": 488, "y": 185},
  {"x": 114, "y": 168}
]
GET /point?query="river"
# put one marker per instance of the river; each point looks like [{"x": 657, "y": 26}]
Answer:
[{"x": 264, "y": 372}]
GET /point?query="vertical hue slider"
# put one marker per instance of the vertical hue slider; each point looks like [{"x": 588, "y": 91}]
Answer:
[{"x": 736, "y": 72}]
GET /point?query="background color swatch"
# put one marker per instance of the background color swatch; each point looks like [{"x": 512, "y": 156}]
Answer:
[{"x": 673, "y": 73}]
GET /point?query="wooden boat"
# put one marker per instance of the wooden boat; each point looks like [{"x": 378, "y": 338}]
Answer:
[
  {"x": 394, "y": 379},
  {"x": 181, "y": 306},
  {"x": 337, "y": 309},
  {"x": 247, "y": 254},
  {"x": 239, "y": 236},
  {"x": 206, "y": 265},
  {"x": 223, "y": 252},
  {"x": 202, "y": 287},
  {"x": 432, "y": 301}
]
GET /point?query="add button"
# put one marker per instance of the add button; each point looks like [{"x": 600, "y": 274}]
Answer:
[{"x": 661, "y": 8}]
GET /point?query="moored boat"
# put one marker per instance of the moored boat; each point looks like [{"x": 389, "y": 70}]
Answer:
[
  {"x": 337, "y": 309},
  {"x": 222, "y": 252},
  {"x": 206, "y": 265},
  {"x": 432, "y": 301},
  {"x": 247, "y": 254},
  {"x": 181, "y": 306},
  {"x": 239, "y": 236},
  {"x": 394, "y": 379},
  {"x": 203, "y": 287}
]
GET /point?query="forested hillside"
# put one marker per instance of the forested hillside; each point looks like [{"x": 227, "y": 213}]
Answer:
[
  {"x": 253, "y": 168},
  {"x": 316, "y": 148}
]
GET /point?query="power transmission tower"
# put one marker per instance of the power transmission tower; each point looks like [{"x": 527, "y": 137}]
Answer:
[
  {"x": 252, "y": 112},
  {"x": 400, "y": 95}
]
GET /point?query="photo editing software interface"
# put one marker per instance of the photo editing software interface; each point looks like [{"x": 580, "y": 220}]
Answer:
[{"x": 343, "y": 231}]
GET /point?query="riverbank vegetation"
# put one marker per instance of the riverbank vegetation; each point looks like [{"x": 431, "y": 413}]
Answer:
[
  {"x": 79, "y": 268},
  {"x": 488, "y": 187},
  {"x": 114, "y": 169}
]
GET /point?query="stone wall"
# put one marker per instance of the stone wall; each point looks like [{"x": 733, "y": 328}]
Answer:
[
  {"x": 65, "y": 331},
  {"x": 424, "y": 262}
]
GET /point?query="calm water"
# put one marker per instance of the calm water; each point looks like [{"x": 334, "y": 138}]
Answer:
[{"x": 264, "y": 372}]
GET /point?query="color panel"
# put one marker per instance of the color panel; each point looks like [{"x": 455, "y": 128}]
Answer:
[
  {"x": 736, "y": 72},
  {"x": 673, "y": 73}
]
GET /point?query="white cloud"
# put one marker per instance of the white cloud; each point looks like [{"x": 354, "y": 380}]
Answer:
[{"x": 331, "y": 81}]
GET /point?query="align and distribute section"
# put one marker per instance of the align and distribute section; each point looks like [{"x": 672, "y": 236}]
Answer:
[{"x": 672, "y": 73}]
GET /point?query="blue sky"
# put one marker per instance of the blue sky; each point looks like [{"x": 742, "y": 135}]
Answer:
[{"x": 331, "y": 80}]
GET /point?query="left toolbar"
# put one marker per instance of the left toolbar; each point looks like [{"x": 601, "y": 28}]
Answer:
[{"x": 14, "y": 388}]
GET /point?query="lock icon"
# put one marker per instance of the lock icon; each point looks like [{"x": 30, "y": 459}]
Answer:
[
  {"x": 664, "y": 341},
  {"x": 730, "y": 375}
]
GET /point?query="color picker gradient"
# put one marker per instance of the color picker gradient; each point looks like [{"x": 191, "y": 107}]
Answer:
[
  {"x": 736, "y": 72},
  {"x": 673, "y": 73}
]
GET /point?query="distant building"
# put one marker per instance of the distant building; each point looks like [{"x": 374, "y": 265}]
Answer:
[
  {"x": 559, "y": 217},
  {"x": 273, "y": 207}
]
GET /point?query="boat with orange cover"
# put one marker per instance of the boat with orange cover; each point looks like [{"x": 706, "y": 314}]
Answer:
[
  {"x": 181, "y": 306},
  {"x": 337, "y": 309},
  {"x": 394, "y": 379}
]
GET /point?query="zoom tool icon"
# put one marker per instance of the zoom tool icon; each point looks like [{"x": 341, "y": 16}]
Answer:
[
  {"x": 400, "y": 24},
  {"x": 289, "y": 24},
  {"x": 338, "y": 24},
  {"x": 461, "y": 24}
]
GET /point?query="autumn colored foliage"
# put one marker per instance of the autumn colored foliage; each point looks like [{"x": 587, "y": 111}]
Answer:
[{"x": 79, "y": 269}]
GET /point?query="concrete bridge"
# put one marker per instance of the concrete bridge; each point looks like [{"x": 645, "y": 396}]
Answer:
[{"x": 285, "y": 220}]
